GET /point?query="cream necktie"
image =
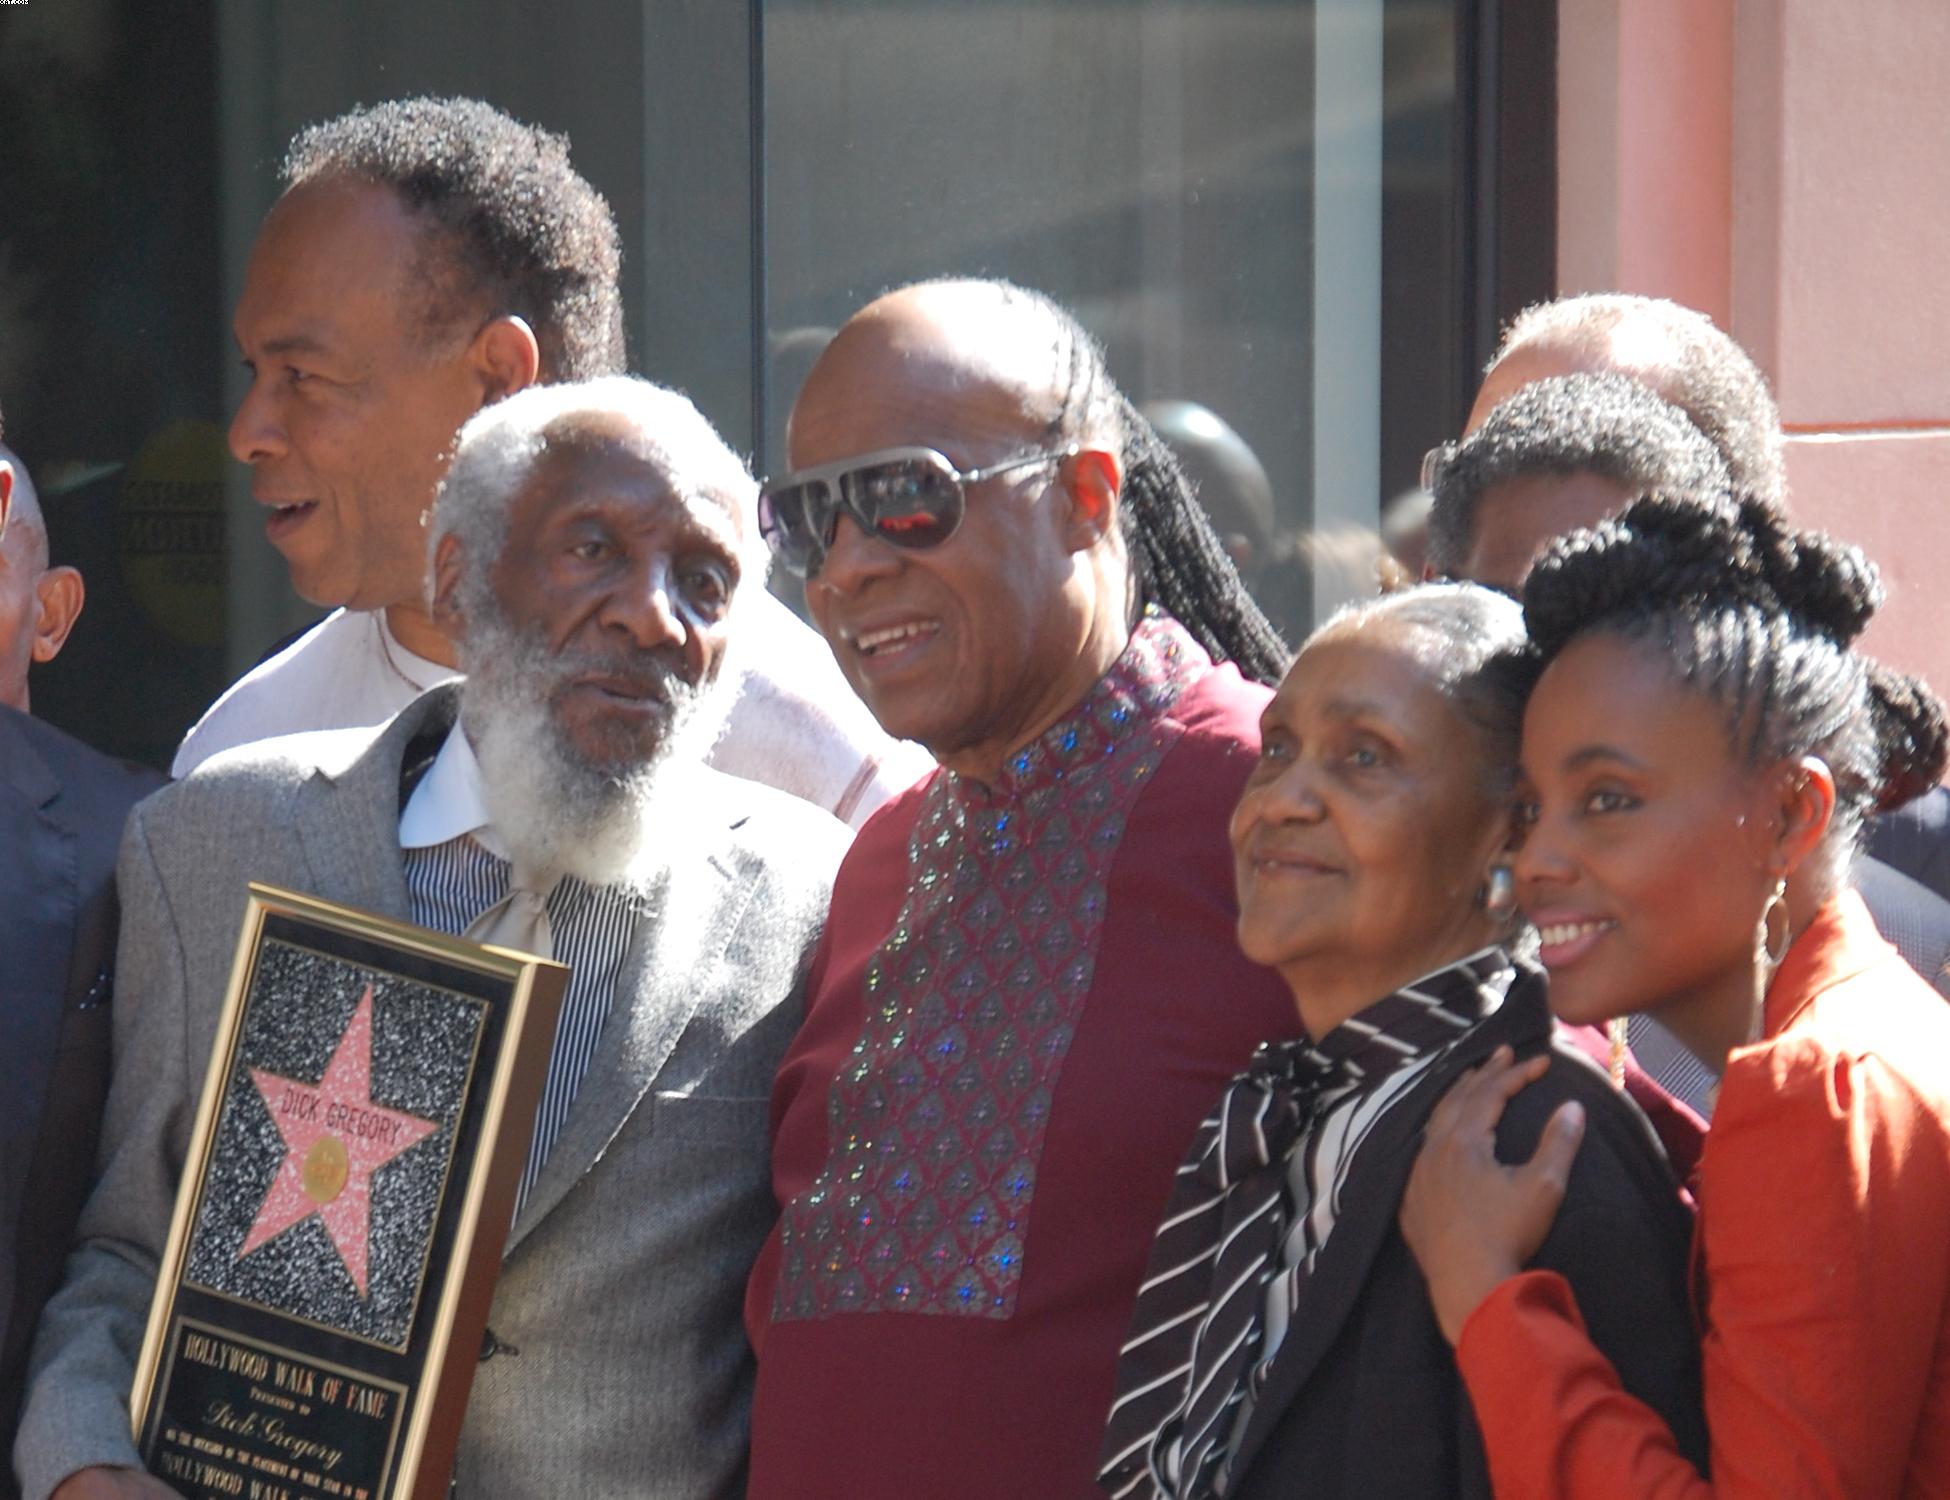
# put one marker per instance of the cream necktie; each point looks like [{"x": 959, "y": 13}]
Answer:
[{"x": 519, "y": 920}]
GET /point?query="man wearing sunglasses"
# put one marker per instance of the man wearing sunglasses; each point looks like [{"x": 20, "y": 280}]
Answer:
[{"x": 1029, "y": 987}]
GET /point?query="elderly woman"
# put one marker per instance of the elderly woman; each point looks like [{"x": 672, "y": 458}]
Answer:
[{"x": 1283, "y": 1342}]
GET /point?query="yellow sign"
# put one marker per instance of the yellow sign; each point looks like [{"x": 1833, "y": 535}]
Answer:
[{"x": 169, "y": 533}]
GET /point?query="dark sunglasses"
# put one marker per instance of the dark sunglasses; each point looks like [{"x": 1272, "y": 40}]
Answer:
[{"x": 911, "y": 497}]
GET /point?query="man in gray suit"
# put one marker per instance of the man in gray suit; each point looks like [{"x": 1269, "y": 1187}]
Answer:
[{"x": 588, "y": 546}]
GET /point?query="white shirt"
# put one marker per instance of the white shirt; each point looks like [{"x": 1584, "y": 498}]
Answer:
[
  {"x": 794, "y": 725},
  {"x": 449, "y": 801}
]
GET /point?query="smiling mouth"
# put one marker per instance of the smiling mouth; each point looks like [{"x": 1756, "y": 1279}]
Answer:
[
  {"x": 1289, "y": 864},
  {"x": 1566, "y": 942},
  {"x": 893, "y": 638}
]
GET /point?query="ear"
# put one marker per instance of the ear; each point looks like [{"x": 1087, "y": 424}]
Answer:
[
  {"x": 1804, "y": 805},
  {"x": 446, "y": 610},
  {"x": 1093, "y": 478},
  {"x": 506, "y": 357},
  {"x": 61, "y": 594},
  {"x": 1502, "y": 836}
]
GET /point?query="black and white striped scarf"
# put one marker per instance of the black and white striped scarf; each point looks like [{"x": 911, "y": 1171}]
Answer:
[{"x": 1188, "y": 1366}]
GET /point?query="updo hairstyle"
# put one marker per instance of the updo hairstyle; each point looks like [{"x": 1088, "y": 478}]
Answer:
[{"x": 1758, "y": 617}]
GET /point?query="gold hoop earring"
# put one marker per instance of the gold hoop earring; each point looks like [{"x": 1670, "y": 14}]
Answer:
[
  {"x": 1500, "y": 892},
  {"x": 1767, "y": 948}
]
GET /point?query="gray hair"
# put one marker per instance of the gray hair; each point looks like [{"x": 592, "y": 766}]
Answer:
[
  {"x": 497, "y": 451},
  {"x": 1473, "y": 641},
  {"x": 1571, "y": 424},
  {"x": 1704, "y": 373}
]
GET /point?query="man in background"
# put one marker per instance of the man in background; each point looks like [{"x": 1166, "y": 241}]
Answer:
[
  {"x": 429, "y": 257},
  {"x": 62, "y": 806},
  {"x": 38, "y": 603},
  {"x": 1680, "y": 355},
  {"x": 1675, "y": 352},
  {"x": 1558, "y": 454}
]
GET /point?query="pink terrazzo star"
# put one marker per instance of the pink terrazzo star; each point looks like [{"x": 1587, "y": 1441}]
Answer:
[{"x": 335, "y": 1138}]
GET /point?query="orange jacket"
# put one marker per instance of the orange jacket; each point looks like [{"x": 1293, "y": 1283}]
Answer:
[{"x": 1822, "y": 1260}]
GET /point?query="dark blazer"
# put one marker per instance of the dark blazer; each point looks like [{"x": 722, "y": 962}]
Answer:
[
  {"x": 1915, "y": 839},
  {"x": 1911, "y": 916},
  {"x": 1363, "y": 1398},
  {"x": 62, "y": 807}
]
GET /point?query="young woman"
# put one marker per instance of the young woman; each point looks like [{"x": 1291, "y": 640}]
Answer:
[
  {"x": 1282, "y": 1343},
  {"x": 1701, "y": 752}
]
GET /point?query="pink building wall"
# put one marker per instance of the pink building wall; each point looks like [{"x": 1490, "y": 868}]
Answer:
[{"x": 1784, "y": 165}]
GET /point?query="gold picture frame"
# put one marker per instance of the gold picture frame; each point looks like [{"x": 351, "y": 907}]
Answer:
[{"x": 350, "y": 1184}]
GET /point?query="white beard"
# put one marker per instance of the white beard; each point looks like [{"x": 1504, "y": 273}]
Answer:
[{"x": 557, "y": 812}]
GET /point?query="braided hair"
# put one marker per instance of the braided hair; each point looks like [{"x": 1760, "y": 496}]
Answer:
[
  {"x": 1177, "y": 559},
  {"x": 1757, "y": 617}
]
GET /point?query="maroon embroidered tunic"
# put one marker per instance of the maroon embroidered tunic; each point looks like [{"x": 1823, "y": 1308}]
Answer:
[{"x": 1027, "y": 997}]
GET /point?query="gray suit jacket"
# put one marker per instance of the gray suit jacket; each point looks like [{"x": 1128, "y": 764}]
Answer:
[{"x": 621, "y": 1366}]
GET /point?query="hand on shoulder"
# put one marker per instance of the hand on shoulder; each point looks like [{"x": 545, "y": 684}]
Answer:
[{"x": 1471, "y": 1221}]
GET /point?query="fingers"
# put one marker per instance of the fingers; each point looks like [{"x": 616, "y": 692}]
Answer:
[
  {"x": 1549, "y": 1168},
  {"x": 1475, "y": 1102},
  {"x": 1502, "y": 1084}
]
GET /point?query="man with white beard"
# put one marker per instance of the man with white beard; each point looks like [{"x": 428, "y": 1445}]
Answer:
[{"x": 588, "y": 556}]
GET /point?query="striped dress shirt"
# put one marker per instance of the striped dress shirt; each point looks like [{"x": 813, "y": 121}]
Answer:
[{"x": 455, "y": 870}]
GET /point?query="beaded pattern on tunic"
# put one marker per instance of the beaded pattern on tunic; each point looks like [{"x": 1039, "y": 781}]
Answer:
[{"x": 936, "y": 1124}]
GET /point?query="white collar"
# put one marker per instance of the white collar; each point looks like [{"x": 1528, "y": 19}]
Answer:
[
  {"x": 450, "y": 801},
  {"x": 416, "y": 671}
]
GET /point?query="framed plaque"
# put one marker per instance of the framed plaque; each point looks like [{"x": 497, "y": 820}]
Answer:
[{"x": 349, "y": 1188}]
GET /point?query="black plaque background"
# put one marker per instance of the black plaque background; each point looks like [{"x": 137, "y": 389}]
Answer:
[
  {"x": 184, "y": 1387},
  {"x": 425, "y": 1073},
  {"x": 183, "y": 1429}
]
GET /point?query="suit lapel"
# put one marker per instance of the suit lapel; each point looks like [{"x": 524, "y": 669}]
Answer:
[
  {"x": 693, "y": 909},
  {"x": 347, "y": 812},
  {"x": 1375, "y": 1181},
  {"x": 39, "y": 903}
]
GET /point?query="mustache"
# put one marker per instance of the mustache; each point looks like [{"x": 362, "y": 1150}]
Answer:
[{"x": 638, "y": 674}]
